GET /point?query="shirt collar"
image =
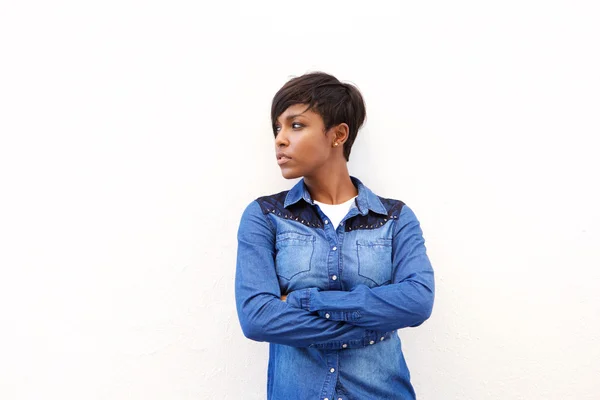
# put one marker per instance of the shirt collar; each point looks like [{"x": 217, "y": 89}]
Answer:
[{"x": 365, "y": 201}]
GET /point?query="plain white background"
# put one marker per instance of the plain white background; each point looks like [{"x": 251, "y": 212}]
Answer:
[{"x": 133, "y": 134}]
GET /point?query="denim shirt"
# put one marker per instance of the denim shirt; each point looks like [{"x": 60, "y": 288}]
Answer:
[{"x": 349, "y": 289}]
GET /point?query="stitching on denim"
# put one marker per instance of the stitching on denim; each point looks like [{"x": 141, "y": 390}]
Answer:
[{"x": 267, "y": 218}]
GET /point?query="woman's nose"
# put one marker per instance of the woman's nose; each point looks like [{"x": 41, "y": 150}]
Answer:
[{"x": 281, "y": 139}]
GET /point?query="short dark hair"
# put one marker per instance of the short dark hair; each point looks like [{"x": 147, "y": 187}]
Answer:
[{"x": 334, "y": 101}]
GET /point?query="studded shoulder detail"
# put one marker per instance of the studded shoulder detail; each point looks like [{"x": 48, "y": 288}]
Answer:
[
  {"x": 374, "y": 220},
  {"x": 301, "y": 211}
]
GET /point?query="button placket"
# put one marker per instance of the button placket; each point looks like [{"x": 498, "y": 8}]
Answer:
[
  {"x": 334, "y": 259},
  {"x": 330, "y": 380}
]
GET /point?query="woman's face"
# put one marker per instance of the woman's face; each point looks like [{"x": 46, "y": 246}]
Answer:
[{"x": 302, "y": 146}]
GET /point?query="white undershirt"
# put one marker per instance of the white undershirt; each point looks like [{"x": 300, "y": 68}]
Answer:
[{"x": 336, "y": 212}]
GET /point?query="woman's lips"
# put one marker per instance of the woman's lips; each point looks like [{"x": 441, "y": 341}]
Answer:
[{"x": 283, "y": 160}]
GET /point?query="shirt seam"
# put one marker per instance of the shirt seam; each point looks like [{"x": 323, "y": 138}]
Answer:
[{"x": 271, "y": 226}]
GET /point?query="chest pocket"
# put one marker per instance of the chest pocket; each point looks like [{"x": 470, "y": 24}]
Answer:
[
  {"x": 375, "y": 260},
  {"x": 294, "y": 254}
]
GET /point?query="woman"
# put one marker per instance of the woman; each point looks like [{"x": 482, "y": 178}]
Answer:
[{"x": 327, "y": 272}]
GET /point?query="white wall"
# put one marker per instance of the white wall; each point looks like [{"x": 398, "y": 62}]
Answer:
[{"x": 133, "y": 134}]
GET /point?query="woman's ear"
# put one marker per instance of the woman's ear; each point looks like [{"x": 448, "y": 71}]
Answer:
[{"x": 341, "y": 133}]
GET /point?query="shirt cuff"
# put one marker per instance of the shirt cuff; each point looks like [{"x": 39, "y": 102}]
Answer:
[
  {"x": 316, "y": 304},
  {"x": 300, "y": 298},
  {"x": 371, "y": 338},
  {"x": 345, "y": 316}
]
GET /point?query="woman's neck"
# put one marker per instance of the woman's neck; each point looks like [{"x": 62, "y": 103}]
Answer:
[{"x": 331, "y": 187}]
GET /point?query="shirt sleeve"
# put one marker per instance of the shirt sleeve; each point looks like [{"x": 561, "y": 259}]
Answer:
[
  {"x": 263, "y": 316},
  {"x": 406, "y": 302}
]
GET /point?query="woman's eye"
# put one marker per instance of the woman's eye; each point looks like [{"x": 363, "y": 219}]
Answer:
[{"x": 297, "y": 125}]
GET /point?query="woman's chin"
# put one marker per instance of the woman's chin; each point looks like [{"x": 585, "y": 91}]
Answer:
[{"x": 289, "y": 174}]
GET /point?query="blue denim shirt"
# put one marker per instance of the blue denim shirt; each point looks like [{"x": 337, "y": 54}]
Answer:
[{"x": 349, "y": 289}]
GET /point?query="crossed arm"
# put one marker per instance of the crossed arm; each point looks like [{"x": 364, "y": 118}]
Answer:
[
  {"x": 310, "y": 317},
  {"x": 406, "y": 301}
]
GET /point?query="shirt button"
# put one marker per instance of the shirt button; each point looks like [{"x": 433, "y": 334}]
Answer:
[
  {"x": 372, "y": 342},
  {"x": 326, "y": 222},
  {"x": 334, "y": 248},
  {"x": 327, "y": 315},
  {"x": 334, "y": 277},
  {"x": 332, "y": 370},
  {"x": 344, "y": 345}
]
